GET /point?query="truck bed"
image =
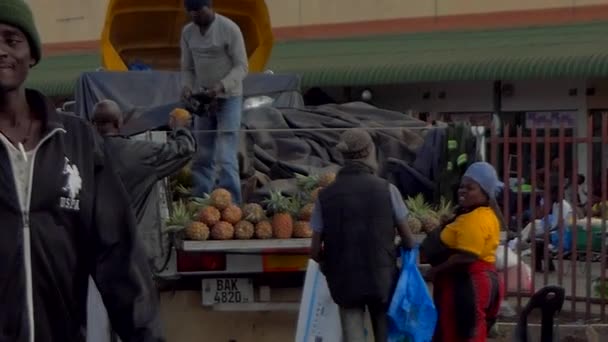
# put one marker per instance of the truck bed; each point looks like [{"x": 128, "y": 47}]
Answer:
[{"x": 249, "y": 246}]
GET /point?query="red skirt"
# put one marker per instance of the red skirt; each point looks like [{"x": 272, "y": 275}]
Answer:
[{"x": 480, "y": 288}]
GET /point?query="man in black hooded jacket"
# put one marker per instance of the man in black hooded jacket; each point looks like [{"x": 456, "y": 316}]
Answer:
[{"x": 64, "y": 215}]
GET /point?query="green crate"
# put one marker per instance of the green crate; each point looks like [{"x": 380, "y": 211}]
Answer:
[{"x": 596, "y": 238}]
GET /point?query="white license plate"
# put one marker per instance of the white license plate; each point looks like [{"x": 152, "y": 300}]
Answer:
[{"x": 227, "y": 291}]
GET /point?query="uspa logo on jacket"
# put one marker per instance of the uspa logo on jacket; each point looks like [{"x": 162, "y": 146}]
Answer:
[{"x": 72, "y": 187}]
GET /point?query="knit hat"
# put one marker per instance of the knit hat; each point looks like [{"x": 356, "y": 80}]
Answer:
[
  {"x": 355, "y": 144},
  {"x": 17, "y": 13},
  {"x": 195, "y": 5},
  {"x": 485, "y": 175}
]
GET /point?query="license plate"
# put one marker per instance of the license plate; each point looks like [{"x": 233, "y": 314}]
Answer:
[{"x": 227, "y": 291}]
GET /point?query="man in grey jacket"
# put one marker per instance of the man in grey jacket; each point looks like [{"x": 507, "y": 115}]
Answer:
[
  {"x": 140, "y": 165},
  {"x": 214, "y": 61}
]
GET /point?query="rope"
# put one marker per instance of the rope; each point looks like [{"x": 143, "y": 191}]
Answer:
[{"x": 279, "y": 130}]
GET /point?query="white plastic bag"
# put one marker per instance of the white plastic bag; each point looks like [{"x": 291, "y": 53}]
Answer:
[
  {"x": 515, "y": 285},
  {"x": 319, "y": 316},
  {"x": 502, "y": 263}
]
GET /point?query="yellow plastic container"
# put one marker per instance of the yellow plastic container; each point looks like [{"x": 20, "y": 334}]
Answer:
[{"x": 149, "y": 32}]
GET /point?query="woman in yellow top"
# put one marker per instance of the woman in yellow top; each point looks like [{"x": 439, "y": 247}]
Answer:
[{"x": 466, "y": 287}]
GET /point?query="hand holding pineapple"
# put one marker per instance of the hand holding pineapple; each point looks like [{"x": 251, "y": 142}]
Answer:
[{"x": 180, "y": 118}]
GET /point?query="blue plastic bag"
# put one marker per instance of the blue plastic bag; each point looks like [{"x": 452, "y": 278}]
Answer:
[{"x": 412, "y": 313}]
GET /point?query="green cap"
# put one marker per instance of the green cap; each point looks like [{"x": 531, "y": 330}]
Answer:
[{"x": 17, "y": 13}]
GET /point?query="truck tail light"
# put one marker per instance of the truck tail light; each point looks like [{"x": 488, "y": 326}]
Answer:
[{"x": 200, "y": 262}]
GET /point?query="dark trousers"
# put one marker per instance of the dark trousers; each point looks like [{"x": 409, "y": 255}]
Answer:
[
  {"x": 539, "y": 257},
  {"x": 353, "y": 322}
]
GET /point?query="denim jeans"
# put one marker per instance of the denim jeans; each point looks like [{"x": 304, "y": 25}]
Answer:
[{"x": 216, "y": 161}]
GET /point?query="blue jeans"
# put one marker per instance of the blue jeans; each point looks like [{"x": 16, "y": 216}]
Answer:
[{"x": 218, "y": 147}]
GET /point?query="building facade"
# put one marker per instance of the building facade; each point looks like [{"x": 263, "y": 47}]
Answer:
[{"x": 74, "y": 21}]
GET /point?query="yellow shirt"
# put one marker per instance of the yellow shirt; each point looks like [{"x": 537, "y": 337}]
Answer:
[{"x": 477, "y": 232}]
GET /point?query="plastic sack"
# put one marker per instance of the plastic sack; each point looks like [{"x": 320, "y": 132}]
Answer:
[
  {"x": 412, "y": 313},
  {"x": 319, "y": 316},
  {"x": 510, "y": 261},
  {"x": 512, "y": 284}
]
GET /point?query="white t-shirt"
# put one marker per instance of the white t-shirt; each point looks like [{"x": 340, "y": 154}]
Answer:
[{"x": 555, "y": 210}]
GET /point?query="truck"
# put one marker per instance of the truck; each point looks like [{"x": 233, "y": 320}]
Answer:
[{"x": 202, "y": 283}]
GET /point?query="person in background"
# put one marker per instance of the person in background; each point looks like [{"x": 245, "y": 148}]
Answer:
[
  {"x": 550, "y": 218},
  {"x": 466, "y": 287},
  {"x": 63, "y": 211},
  {"x": 353, "y": 223},
  {"x": 214, "y": 61}
]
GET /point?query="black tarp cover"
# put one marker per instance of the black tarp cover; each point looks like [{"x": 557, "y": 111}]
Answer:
[{"x": 276, "y": 141}]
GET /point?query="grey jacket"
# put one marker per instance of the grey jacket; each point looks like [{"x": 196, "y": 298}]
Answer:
[{"x": 141, "y": 164}]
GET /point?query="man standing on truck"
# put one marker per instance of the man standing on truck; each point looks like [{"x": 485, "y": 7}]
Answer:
[
  {"x": 63, "y": 212},
  {"x": 214, "y": 62},
  {"x": 354, "y": 222}
]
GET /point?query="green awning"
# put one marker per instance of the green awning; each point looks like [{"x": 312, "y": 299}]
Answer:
[
  {"x": 572, "y": 51},
  {"x": 57, "y": 75},
  {"x": 550, "y": 52}
]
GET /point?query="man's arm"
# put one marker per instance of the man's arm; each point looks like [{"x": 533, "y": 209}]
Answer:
[
  {"x": 168, "y": 158},
  {"x": 316, "y": 223},
  {"x": 119, "y": 265},
  {"x": 187, "y": 65},
  {"x": 400, "y": 213},
  {"x": 240, "y": 63}
]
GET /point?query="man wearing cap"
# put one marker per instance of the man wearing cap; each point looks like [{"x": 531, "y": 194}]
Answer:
[
  {"x": 214, "y": 62},
  {"x": 63, "y": 212},
  {"x": 354, "y": 222}
]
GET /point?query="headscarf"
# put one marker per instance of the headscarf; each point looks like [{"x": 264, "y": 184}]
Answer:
[{"x": 485, "y": 175}]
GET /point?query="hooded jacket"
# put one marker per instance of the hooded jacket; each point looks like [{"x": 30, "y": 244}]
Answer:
[
  {"x": 140, "y": 165},
  {"x": 76, "y": 223}
]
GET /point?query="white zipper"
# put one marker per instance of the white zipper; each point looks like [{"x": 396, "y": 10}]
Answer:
[{"x": 25, "y": 215}]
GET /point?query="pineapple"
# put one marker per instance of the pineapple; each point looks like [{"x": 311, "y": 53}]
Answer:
[
  {"x": 306, "y": 212},
  {"x": 180, "y": 217},
  {"x": 182, "y": 191},
  {"x": 445, "y": 211},
  {"x": 301, "y": 230},
  {"x": 197, "y": 231},
  {"x": 184, "y": 177},
  {"x": 232, "y": 214},
  {"x": 421, "y": 211},
  {"x": 282, "y": 209},
  {"x": 326, "y": 179},
  {"x": 307, "y": 183},
  {"x": 222, "y": 231},
  {"x": 314, "y": 195},
  {"x": 253, "y": 213},
  {"x": 263, "y": 230},
  {"x": 221, "y": 198},
  {"x": 244, "y": 230},
  {"x": 414, "y": 224},
  {"x": 429, "y": 221},
  {"x": 196, "y": 204},
  {"x": 209, "y": 216}
]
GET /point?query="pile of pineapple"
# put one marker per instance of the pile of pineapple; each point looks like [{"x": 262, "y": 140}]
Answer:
[
  {"x": 424, "y": 217},
  {"x": 216, "y": 217}
]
